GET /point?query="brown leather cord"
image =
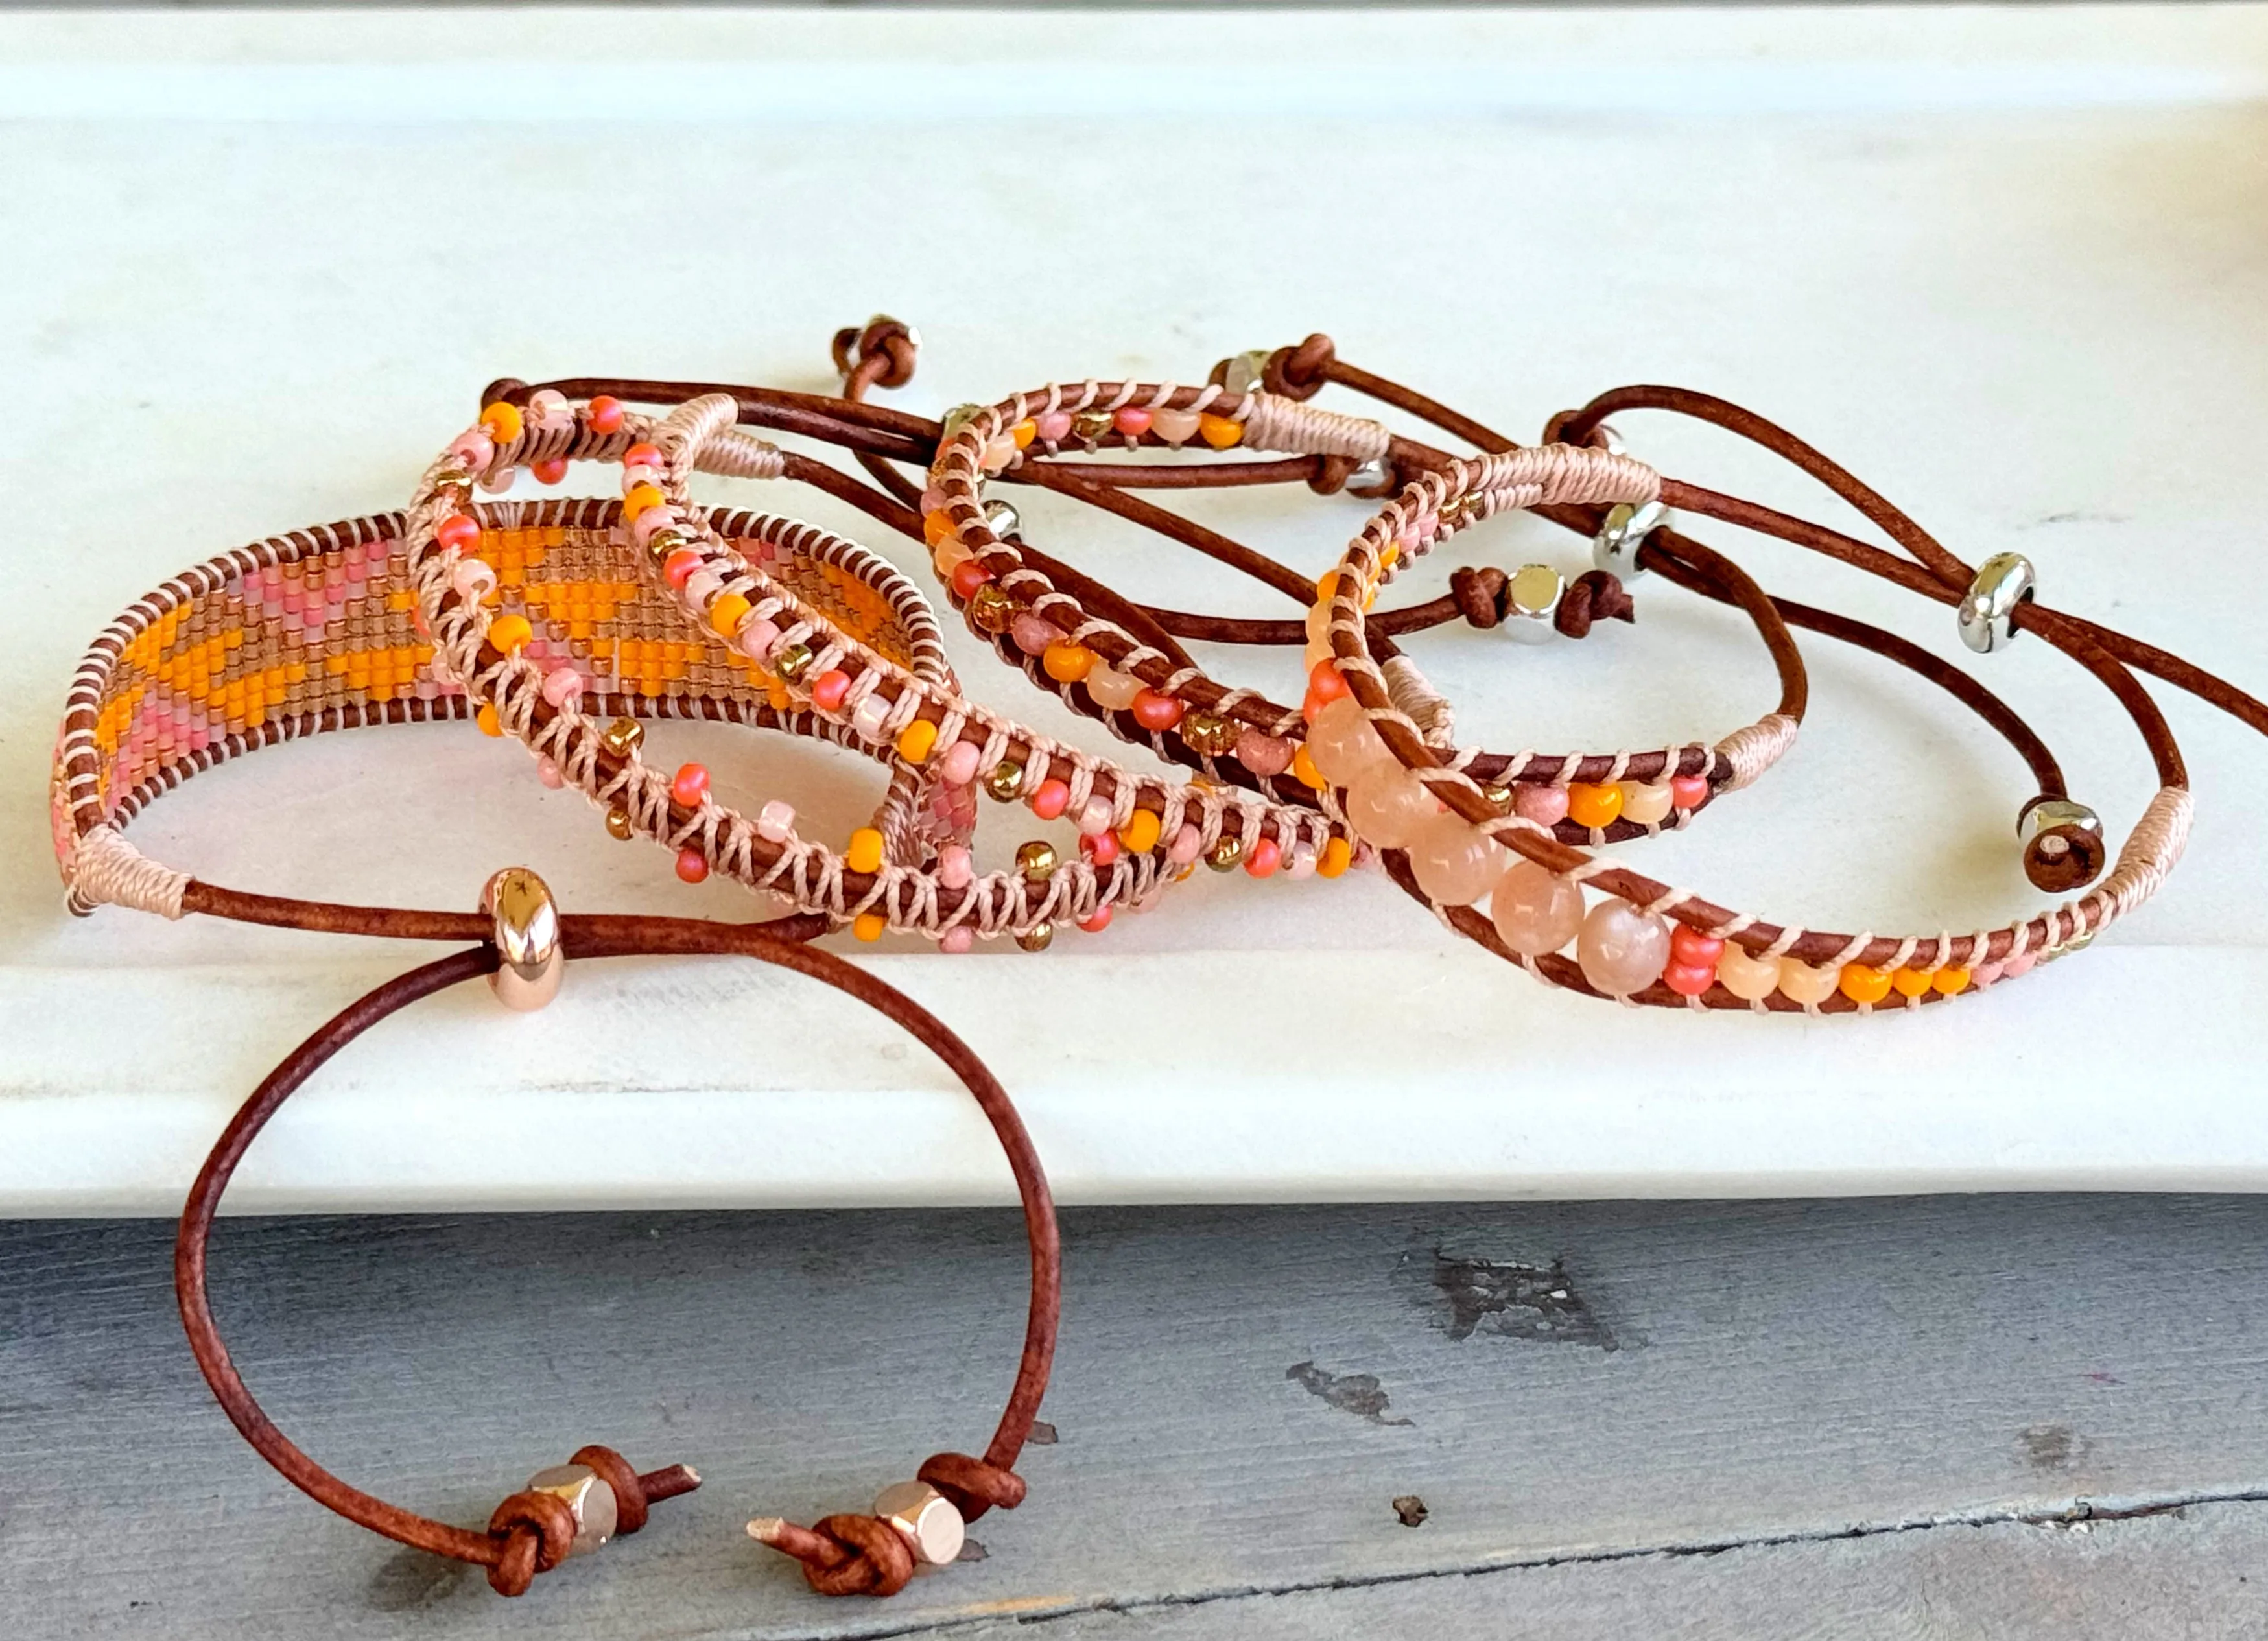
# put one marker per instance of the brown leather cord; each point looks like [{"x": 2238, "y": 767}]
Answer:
[{"x": 530, "y": 1532}]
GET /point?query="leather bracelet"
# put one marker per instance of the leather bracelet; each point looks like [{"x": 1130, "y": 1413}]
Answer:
[
  {"x": 1702, "y": 956},
  {"x": 575, "y": 1508},
  {"x": 1144, "y": 834}
]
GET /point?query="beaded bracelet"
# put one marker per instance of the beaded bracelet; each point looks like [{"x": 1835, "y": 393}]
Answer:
[
  {"x": 794, "y": 651},
  {"x": 573, "y": 1509},
  {"x": 1703, "y": 955},
  {"x": 318, "y": 630}
]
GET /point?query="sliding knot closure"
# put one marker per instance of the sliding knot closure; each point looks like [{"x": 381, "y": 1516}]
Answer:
[{"x": 972, "y": 1485}]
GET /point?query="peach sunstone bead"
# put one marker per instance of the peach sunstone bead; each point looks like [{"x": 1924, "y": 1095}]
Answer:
[
  {"x": 1622, "y": 949},
  {"x": 1454, "y": 862},
  {"x": 1745, "y": 975},
  {"x": 1807, "y": 985},
  {"x": 1535, "y": 910},
  {"x": 1386, "y": 805},
  {"x": 1343, "y": 745}
]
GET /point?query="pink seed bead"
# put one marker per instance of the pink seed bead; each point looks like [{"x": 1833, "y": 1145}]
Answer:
[
  {"x": 953, "y": 869},
  {"x": 1094, "y": 818},
  {"x": 1050, "y": 801},
  {"x": 547, "y": 408},
  {"x": 678, "y": 568},
  {"x": 472, "y": 578},
  {"x": 1131, "y": 419},
  {"x": 932, "y": 499},
  {"x": 1185, "y": 845},
  {"x": 562, "y": 685},
  {"x": 758, "y": 639},
  {"x": 828, "y": 688},
  {"x": 1098, "y": 923},
  {"x": 956, "y": 939},
  {"x": 775, "y": 822},
  {"x": 1688, "y": 791},
  {"x": 1054, "y": 426},
  {"x": 1262, "y": 860},
  {"x": 546, "y": 770},
  {"x": 1032, "y": 633},
  {"x": 1264, "y": 754},
  {"x": 689, "y": 786},
  {"x": 1546, "y": 806},
  {"x": 959, "y": 767},
  {"x": 632, "y": 477},
  {"x": 1101, "y": 848},
  {"x": 2017, "y": 966},
  {"x": 474, "y": 449},
  {"x": 652, "y": 519},
  {"x": 497, "y": 482},
  {"x": 692, "y": 864}
]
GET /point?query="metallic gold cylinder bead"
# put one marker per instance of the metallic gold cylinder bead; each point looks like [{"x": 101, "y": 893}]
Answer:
[
  {"x": 1227, "y": 853},
  {"x": 623, "y": 737},
  {"x": 1005, "y": 782},
  {"x": 1038, "y": 938},
  {"x": 990, "y": 610},
  {"x": 1036, "y": 860},
  {"x": 663, "y": 542},
  {"x": 1498, "y": 794},
  {"x": 1089, "y": 426},
  {"x": 791, "y": 661},
  {"x": 524, "y": 926},
  {"x": 618, "y": 824},
  {"x": 1209, "y": 735}
]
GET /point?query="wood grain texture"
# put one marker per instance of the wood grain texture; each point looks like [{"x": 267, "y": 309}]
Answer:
[{"x": 1704, "y": 1419}]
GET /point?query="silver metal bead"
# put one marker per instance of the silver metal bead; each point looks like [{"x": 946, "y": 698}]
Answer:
[
  {"x": 1003, "y": 519},
  {"x": 1986, "y": 615},
  {"x": 932, "y": 1525},
  {"x": 1370, "y": 478},
  {"x": 2064, "y": 848},
  {"x": 525, "y": 926},
  {"x": 1531, "y": 603},
  {"x": 1246, "y": 372},
  {"x": 2051, "y": 812},
  {"x": 588, "y": 1496},
  {"x": 1615, "y": 548}
]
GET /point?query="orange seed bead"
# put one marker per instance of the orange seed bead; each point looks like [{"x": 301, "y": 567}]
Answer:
[
  {"x": 1067, "y": 663},
  {"x": 726, "y": 614},
  {"x": 865, "y": 851},
  {"x": 870, "y": 925},
  {"x": 1910, "y": 982},
  {"x": 1024, "y": 432},
  {"x": 1950, "y": 983},
  {"x": 508, "y": 633},
  {"x": 1337, "y": 855},
  {"x": 1219, "y": 431},
  {"x": 502, "y": 421},
  {"x": 1304, "y": 767},
  {"x": 640, "y": 497},
  {"x": 918, "y": 741},
  {"x": 486, "y": 717},
  {"x": 1140, "y": 833},
  {"x": 937, "y": 528},
  {"x": 1862, "y": 984},
  {"x": 1594, "y": 805}
]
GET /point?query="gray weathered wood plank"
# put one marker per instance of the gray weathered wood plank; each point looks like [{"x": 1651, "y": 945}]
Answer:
[{"x": 1242, "y": 1395}]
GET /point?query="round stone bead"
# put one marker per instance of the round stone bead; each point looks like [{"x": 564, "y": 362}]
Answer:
[
  {"x": 1622, "y": 949},
  {"x": 1343, "y": 743},
  {"x": 1385, "y": 805},
  {"x": 1688, "y": 791},
  {"x": 1113, "y": 690},
  {"x": 1745, "y": 975},
  {"x": 1536, "y": 911},
  {"x": 1546, "y": 806},
  {"x": 1648, "y": 802},
  {"x": 1802, "y": 984},
  {"x": 1453, "y": 862},
  {"x": 1264, "y": 754},
  {"x": 1033, "y": 634}
]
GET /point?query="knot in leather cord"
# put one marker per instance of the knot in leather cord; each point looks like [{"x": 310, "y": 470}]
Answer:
[
  {"x": 1479, "y": 594},
  {"x": 538, "y": 1529},
  {"x": 973, "y": 1485},
  {"x": 1331, "y": 474},
  {"x": 611, "y": 1468},
  {"x": 1298, "y": 373},
  {"x": 505, "y": 390},
  {"x": 861, "y": 1555},
  {"x": 1597, "y": 595},
  {"x": 882, "y": 337}
]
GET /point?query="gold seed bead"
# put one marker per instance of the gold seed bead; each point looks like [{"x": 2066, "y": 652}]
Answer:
[
  {"x": 1090, "y": 424},
  {"x": 991, "y": 609},
  {"x": 623, "y": 737},
  {"x": 662, "y": 543},
  {"x": 1498, "y": 794},
  {"x": 1038, "y": 938},
  {"x": 1005, "y": 782},
  {"x": 618, "y": 824},
  {"x": 1036, "y": 860},
  {"x": 1209, "y": 735},
  {"x": 791, "y": 661},
  {"x": 1226, "y": 853}
]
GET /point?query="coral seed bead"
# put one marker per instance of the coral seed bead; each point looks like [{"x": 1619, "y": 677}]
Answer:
[
  {"x": 1326, "y": 683},
  {"x": 692, "y": 866},
  {"x": 1262, "y": 860},
  {"x": 689, "y": 786},
  {"x": 1067, "y": 663},
  {"x": 678, "y": 568},
  {"x": 549, "y": 472},
  {"x": 456, "y": 532},
  {"x": 1689, "y": 945},
  {"x": 1154, "y": 711},
  {"x": 865, "y": 853},
  {"x": 829, "y": 689},
  {"x": 968, "y": 576},
  {"x": 1096, "y": 923},
  {"x": 1862, "y": 984},
  {"x": 510, "y": 633},
  {"x": 1689, "y": 980},
  {"x": 1050, "y": 799},
  {"x": 1689, "y": 791},
  {"x": 1141, "y": 831},
  {"x": 604, "y": 415},
  {"x": 1593, "y": 807},
  {"x": 1219, "y": 431},
  {"x": 1101, "y": 848},
  {"x": 642, "y": 455}
]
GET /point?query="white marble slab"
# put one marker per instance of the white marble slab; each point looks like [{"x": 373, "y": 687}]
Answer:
[{"x": 2008, "y": 264}]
